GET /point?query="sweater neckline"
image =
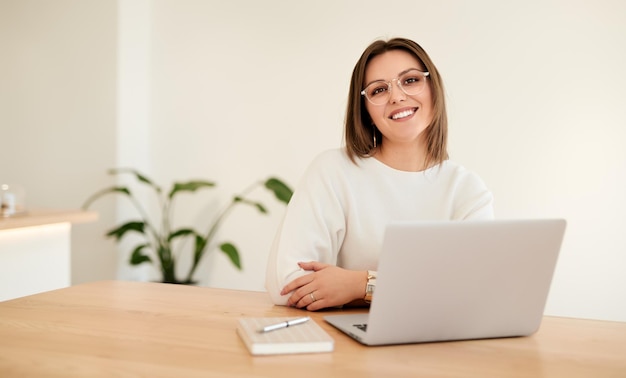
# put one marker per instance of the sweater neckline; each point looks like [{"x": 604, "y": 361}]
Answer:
[{"x": 427, "y": 172}]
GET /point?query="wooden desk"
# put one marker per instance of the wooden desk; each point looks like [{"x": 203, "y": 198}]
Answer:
[{"x": 116, "y": 328}]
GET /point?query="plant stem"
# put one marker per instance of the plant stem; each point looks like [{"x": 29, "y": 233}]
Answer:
[
  {"x": 159, "y": 242},
  {"x": 216, "y": 223}
]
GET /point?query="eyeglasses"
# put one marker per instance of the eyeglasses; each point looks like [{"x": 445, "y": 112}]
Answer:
[{"x": 411, "y": 82}]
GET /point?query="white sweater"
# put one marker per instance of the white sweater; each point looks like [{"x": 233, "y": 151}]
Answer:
[{"x": 339, "y": 211}]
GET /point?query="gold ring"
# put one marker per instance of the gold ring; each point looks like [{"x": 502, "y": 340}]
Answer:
[{"x": 312, "y": 296}]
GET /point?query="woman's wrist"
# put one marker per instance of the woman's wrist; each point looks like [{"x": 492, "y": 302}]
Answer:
[{"x": 358, "y": 285}]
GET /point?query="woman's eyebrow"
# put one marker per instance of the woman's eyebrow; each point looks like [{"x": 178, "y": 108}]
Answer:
[{"x": 400, "y": 74}]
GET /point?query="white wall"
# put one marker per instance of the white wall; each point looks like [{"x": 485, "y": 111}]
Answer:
[
  {"x": 241, "y": 90},
  {"x": 58, "y": 113}
]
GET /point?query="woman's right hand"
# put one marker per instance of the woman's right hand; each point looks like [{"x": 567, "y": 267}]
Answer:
[{"x": 326, "y": 286}]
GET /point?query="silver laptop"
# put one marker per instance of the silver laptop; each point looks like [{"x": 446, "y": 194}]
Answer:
[{"x": 442, "y": 281}]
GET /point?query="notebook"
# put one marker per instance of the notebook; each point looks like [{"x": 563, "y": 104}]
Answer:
[
  {"x": 442, "y": 281},
  {"x": 307, "y": 337}
]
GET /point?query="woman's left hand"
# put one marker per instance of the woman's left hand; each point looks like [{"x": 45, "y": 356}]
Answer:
[{"x": 327, "y": 286}]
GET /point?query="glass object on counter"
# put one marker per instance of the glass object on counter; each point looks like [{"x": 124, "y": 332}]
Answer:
[{"x": 12, "y": 200}]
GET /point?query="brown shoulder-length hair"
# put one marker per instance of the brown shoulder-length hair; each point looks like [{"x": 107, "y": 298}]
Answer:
[{"x": 359, "y": 128}]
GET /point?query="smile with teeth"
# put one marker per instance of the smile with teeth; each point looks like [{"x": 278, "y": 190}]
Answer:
[{"x": 403, "y": 114}]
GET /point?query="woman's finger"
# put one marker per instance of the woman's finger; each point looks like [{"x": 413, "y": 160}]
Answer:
[{"x": 297, "y": 283}]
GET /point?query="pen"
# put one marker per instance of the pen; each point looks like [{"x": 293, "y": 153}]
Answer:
[{"x": 285, "y": 324}]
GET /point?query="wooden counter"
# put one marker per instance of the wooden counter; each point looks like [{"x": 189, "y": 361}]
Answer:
[
  {"x": 35, "y": 250},
  {"x": 41, "y": 217}
]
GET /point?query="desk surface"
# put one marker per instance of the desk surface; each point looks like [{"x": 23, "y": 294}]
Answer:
[{"x": 116, "y": 328}]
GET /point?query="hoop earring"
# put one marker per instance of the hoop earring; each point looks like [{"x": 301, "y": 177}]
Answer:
[{"x": 374, "y": 134}]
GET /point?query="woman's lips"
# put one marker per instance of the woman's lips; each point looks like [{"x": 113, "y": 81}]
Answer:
[{"x": 403, "y": 114}]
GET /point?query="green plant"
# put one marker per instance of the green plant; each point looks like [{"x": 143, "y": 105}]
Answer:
[{"x": 158, "y": 241}]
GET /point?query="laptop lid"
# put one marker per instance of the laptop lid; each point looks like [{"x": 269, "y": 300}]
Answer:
[{"x": 453, "y": 280}]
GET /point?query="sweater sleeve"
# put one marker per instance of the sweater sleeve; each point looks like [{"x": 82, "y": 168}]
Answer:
[
  {"x": 473, "y": 200},
  {"x": 312, "y": 229}
]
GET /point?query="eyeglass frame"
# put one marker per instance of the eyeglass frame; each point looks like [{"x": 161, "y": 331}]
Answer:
[{"x": 390, "y": 86}]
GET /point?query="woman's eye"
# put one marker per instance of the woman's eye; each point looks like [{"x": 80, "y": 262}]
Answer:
[
  {"x": 411, "y": 80},
  {"x": 378, "y": 91}
]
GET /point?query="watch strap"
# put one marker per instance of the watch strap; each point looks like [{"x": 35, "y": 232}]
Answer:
[{"x": 370, "y": 286}]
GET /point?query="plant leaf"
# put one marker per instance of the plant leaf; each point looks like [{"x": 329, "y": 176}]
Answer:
[
  {"x": 181, "y": 232},
  {"x": 137, "y": 257},
  {"x": 140, "y": 177},
  {"x": 103, "y": 192},
  {"x": 232, "y": 253},
  {"x": 282, "y": 192},
  {"x": 190, "y": 186},
  {"x": 120, "y": 231},
  {"x": 199, "y": 249},
  {"x": 258, "y": 205}
]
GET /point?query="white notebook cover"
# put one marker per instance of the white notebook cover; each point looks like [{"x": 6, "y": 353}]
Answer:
[{"x": 308, "y": 337}]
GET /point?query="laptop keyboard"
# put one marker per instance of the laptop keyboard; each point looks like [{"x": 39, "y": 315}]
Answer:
[{"x": 362, "y": 327}]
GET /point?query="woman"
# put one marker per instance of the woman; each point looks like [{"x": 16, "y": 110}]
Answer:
[{"x": 394, "y": 167}]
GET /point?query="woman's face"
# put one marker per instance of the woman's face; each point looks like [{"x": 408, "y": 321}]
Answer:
[{"x": 402, "y": 118}]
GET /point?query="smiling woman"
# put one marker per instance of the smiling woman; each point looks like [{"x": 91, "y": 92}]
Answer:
[
  {"x": 419, "y": 96},
  {"x": 401, "y": 116},
  {"x": 394, "y": 168}
]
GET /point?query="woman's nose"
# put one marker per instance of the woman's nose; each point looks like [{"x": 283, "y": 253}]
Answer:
[{"x": 397, "y": 94}]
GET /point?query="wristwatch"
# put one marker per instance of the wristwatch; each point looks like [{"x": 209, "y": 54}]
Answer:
[{"x": 371, "y": 285}]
